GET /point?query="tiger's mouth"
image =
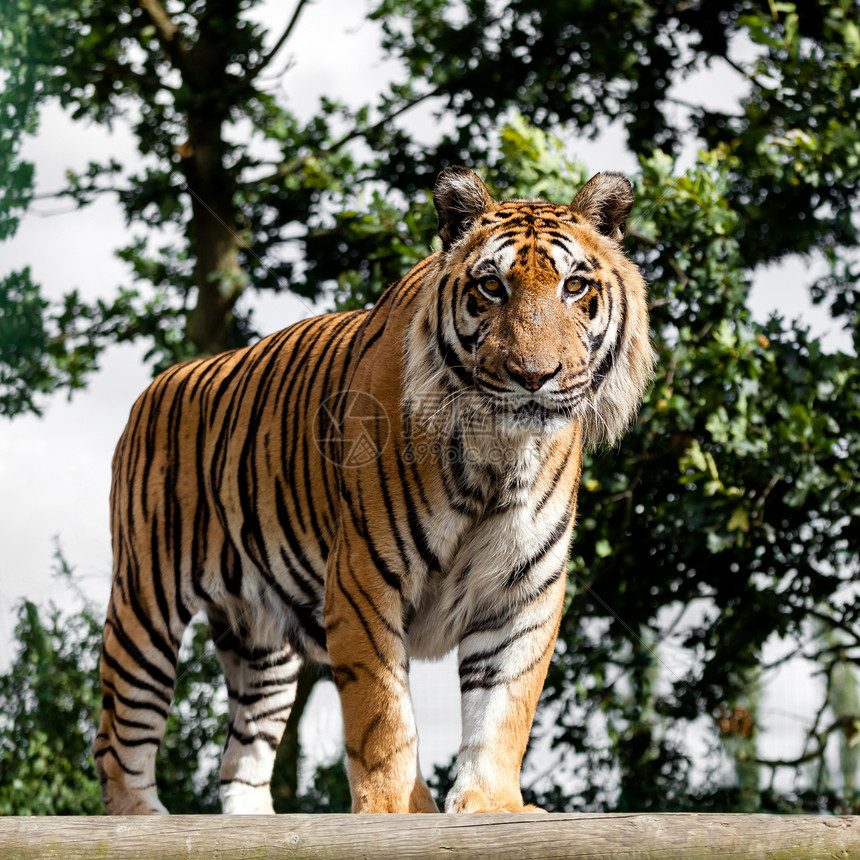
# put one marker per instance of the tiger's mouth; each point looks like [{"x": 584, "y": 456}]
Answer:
[
  {"x": 485, "y": 406},
  {"x": 536, "y": 418},
  {"x": 538, "y": 412}
]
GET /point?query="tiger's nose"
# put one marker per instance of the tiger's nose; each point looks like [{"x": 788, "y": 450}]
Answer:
[{"x": 531, "y": 380}]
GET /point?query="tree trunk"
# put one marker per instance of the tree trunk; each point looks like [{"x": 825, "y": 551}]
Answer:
[
  {"x": 215, "y": 239},
  {"x": 214, "y": 223},
  {"x": 285, "y": 780}
]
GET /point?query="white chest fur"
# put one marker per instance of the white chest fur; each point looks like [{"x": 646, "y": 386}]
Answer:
[{"x": 491, "y": 558}]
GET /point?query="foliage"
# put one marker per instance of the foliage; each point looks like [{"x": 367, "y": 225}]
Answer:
[
  {"x": 45, "y": 347},
  {"x": 581, "y": 64},
  {"x": 50, "y": 698},
  {"x": 188, "y": 758},
  {"x": 299, "y": 206},
  {"x": 328, "y": 792},
  {"x": 49, "y": 701}
]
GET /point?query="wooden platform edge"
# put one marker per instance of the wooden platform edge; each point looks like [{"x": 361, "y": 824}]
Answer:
[{"x": 678, "y": 836}]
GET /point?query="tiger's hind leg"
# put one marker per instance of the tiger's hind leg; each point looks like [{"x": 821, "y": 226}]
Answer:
[
  {"x": 261, "y": 689},
  {"x": 138, "y": 668}
]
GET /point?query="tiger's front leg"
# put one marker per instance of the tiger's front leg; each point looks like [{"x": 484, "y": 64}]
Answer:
[
  {"x": 502, "y": 671},
  {"x": 371, "y": 671}
]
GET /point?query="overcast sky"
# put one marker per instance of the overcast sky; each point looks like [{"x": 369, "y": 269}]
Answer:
[{"x": 55, "y": 470}]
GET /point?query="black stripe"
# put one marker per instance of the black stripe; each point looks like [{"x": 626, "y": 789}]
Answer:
[
  {"x": 300, "y": 382},
  {"x": 519, "y": 573},
  {"x": 270, "y": 740},
  {"x": 492, "y": 676},
  {"x": 136, "y": 742},
  {"x": 157, "y": 578},
  {"x": 392, "y": 517},
  {"x": 133, "y": 704},
  {"x": 382, "y": 567},
  {"x": 381, "y": 656},
  {"x": 497, "y": 620},
  {"x": 284, "y": 681},
  {"x": 323, "y": 431},
  {"x": 325, "y": 356},
  {"x": 298, "y": 561},
  {"x": 556, "y": 478},
  {"x": 133, "y": 680},
  {"x": 173, "y": 523},
  {"x": 609, "y": 359},
  {"x": 470, "y": 663},
  {"x": 272, "y": 714},
  {"x": 153, "y": 396},
  {"x": 145, "y": 621},
  {"x": 413, "y": 519},
  {"x": 130, "y": 647},
  {"x": 109, "y": 749},
  {"x": 132, "y": 724},
  {"x": 245, "y": 782}
]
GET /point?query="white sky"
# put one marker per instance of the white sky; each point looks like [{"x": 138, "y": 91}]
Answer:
[{"x": 55, "y": 470}]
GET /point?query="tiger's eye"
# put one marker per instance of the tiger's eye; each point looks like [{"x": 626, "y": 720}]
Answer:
[
  {"x": 575, "y": 287},
  {"x": 492, "y": 286}
]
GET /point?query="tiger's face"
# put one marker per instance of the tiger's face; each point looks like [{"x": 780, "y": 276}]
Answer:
[
  {"x": 538, "y": 309},
  {"x": 533, "y": 296}
]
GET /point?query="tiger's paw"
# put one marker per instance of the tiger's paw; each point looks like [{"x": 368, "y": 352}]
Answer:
[
  {"x": 512, "y": 808},
  {"x": 388, "y": 799},
  {"x": 480, "y": 801}
]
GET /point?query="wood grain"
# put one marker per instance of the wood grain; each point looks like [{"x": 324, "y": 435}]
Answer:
[{"x": 500, "y": 837}]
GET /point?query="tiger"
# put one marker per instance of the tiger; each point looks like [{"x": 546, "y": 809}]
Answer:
[{"x": 373, "y": 486}]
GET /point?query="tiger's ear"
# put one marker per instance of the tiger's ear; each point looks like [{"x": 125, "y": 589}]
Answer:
[
  {"x": 460, "y": 197},
  {"x": 605, "y": 202}
]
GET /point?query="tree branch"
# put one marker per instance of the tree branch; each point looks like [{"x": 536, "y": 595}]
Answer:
[
  {"x": 296, "y": 164},
  {"x": 845, "y": 723},
  {"x": 264, "y": 61},
  {"x": 758, "y": 510},
  {"x": 79, "y": 192},
  {"x": 781, "y": 661},
  {"x": 738, "y": 68},
  {"x": 168, "y": 31},
  {"x": 838, "y": 624},
  {"x": 683, "y": 280}
]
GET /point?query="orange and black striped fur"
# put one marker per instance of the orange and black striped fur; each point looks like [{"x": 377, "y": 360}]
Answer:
[{"x": 366, "y": 487}]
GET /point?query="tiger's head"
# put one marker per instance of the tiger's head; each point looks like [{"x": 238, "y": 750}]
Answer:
[{"x": 535, "y": 316}]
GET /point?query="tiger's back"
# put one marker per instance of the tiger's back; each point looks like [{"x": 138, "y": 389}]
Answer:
[
  {"x": 212, "y": 444},
  {"x": 365, "y": 487}
]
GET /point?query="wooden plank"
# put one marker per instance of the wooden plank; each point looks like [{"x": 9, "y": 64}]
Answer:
[{"x": 465, "y": 837}]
